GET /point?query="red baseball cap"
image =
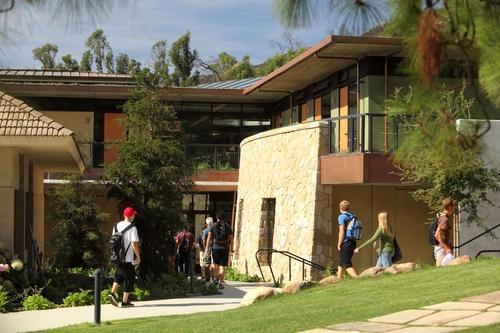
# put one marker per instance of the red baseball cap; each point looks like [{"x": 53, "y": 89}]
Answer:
[{"x": 129, "y": 212}]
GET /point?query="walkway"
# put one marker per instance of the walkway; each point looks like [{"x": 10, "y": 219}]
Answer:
[
  {"x": 439, "y": 318},
  {"x": 45, "y": 319}
]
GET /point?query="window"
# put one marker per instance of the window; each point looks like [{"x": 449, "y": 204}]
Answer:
[
  {"x": 326, "y": 106},
  {"x": 266, "y": 229}
]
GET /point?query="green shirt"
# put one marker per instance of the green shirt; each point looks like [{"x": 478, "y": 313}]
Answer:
[{"x": 386, "y": 240}]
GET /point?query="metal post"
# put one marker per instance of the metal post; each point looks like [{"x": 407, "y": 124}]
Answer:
[
  {"x": 289, "y": 269},
  {"x": 329, "y": 136},
  {"x": 303, "y": 271},
  {"x": 97, "y": 296},
  {"x": 191, "y": 270}
]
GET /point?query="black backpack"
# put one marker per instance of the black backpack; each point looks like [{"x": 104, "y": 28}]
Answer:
[
  {"x": 220, "y": 233},
  {"x": 116, "y": 246},
  {"x": 432, "y": 230}
]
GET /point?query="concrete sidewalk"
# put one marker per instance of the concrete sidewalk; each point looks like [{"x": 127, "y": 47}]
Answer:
[
  {"x": 474, "y": 311},
  {"x": 45, "y": 319}
]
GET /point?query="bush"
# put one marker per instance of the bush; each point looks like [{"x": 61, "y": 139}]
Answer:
[
  {"x": 37, "y": 302},
  {"x": 4, "y": 301},
  {"x": 83, "y": 297},
  {"x": 233, "y": 275},
  {"x": 141, "y": 294},
  {"x": 104, "y": 296}
]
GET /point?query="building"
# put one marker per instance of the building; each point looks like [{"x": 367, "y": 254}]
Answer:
[{"x": 276, "y": 153}]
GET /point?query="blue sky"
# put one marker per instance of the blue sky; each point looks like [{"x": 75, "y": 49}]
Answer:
[{"x": 238, "y": 27}]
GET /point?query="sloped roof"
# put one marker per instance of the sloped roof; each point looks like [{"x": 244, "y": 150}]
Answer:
[
  {"x": 232, "y": 84},
  {"x": 19, "y": 119}
]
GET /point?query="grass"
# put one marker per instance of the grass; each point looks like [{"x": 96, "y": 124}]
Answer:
[
  {"x": 350, "y": 300},
  {"x": 483, "y": 329}
]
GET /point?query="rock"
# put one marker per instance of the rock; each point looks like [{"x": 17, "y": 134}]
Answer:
[
  {"x": 257, "y": 294},
  {"x": 460, "y": 260},
  {"x": 402, "y": 268},
  {"x": 328, "y": 280},
  {"x": 293, "y": 286},
  {"x": 373, "y": 271}
]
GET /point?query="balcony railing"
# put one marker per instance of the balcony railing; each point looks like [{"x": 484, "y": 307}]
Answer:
[
  {"x": 204, "y": 156},
  {"x": 366, "y": 132}
]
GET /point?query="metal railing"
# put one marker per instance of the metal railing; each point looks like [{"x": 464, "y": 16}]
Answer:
[
  {"x": 290, "y": 257},
  {"x": 365, "y": 132},
  {"x": 204, "y": 156},
  {"x": 487, "y": 231}
]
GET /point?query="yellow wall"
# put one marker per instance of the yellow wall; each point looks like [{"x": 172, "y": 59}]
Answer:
[
  {"x": 38, "y": 208},
  {"x": 407, "y": 216},
  {"x": 9, "y": 181}
]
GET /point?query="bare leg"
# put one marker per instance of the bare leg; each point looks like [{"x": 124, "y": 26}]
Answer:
[
  {"x": 340, "y": 272},
  {"x": 352, "y": 272},
  {"x": 115, "y": 287},
  {"x": 125, "y": 297}
]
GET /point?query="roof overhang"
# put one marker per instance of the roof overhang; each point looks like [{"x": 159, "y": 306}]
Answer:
[
  {"x": 51, "y": 153},
  {"x": 319, "y": 62}
]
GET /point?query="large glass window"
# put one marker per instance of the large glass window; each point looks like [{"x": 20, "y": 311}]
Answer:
[
  {"x": 234, "y": 108},
  {"x": 196, "y": 107},
  {"x": 326, "y": 106}
]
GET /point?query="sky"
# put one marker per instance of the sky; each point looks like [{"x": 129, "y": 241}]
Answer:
[{"x": 238, "y": 27}]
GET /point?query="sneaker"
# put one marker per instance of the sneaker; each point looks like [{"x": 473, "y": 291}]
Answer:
[
  {"x": 221, "y": 286},
  {"x": 113, "y": 299},
  {"x": 126, "y": 305}
]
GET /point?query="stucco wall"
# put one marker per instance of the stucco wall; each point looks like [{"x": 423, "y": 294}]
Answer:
[
  {"x": 284, "y": 164},
  {"x": 9, "y": 181},
  {"x": 38, "y": 208}
]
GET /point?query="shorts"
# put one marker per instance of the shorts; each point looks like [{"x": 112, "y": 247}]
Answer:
[
  {"x": 346, "y": 252},
  {"x": 125, "y": 276},
  {"x": 439, "y": 251},
  {"x": 220, "y": 257}
]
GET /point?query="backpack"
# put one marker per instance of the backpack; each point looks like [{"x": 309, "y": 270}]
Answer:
[
  {"x": 354, "y": 228},
  {"x": 220, "y": 233},
  {"x": 432, "y": 230},
  {"x": 116, "y": 246}
]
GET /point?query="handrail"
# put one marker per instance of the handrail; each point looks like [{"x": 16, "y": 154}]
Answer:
[
  {"x": 476, "y": 237},
  {"x": 290, "y": 257},
  {"x": 486, "y": 251}
]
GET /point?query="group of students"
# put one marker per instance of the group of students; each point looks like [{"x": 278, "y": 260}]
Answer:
[{"x": 441, "y": 238}]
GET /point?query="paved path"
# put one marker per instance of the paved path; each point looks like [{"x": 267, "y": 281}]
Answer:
[
  {"x": 45, "y": 319},
  {"x": 439, "y": 318}
]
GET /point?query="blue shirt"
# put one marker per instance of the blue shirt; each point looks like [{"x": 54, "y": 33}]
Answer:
[{"x": 344, "y": 220}]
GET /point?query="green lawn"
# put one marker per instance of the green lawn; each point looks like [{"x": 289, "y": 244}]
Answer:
[
  {"x": 350, "y": 300},
  {"x": 484, "y": 329}
]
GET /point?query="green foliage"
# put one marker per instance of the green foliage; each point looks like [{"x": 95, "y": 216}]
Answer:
[
  {"x": 242, "y": 70},
  {"x": 233, "y": 275},
  {"x": 435, "y": 155},
  {"x": 37, "y": 302},
  {"x": 122, "y": 62},
  {"x": 46, "y": 54},
  {"x": 77, "y": 237},
  {"x": 151, "y": 172},
  {"x": 183, "y": 59},
  {"x": 86, "y": 61},
  {"x": 68, "y": 63},
  {"x": 98, "y": 46},
  {"x": 329, "y": 271},
  {"x": 104, "y": 296},
  {"x": 83, "y": 297},
  {"x": 277, "y": 61},
  {"x": 141, "y": 294},
  {"x": 5, "y": 305}
]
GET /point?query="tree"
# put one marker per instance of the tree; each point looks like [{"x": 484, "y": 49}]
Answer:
[
  {"x": 98, "y": 45},
  {"x": 183, "y": 59},
  {"x": 122, "y": 63},
  {"x": 46, "y": 54},
  {"x": 86, "y": 62},
  {"x": 288, "y": 42},
  {"x": 68, "y": 63},
  {"x": 242, "y": 70},
  {"x": 151, "y": 172},
  {"x": 77, "y": 222},
  {"x": 220, "y": 66},
  {"x": 109, "y": 62},
  {"x": 134, "y": 66},
  {"x": 159, "y": 57}
]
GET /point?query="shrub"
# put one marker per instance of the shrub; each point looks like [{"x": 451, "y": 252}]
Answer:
[
  {"x": 4, "y": 301},
  {"x": 104, "y": 296},
  {"x": 141, "y": 294},
  {"x": 37, "y": 302},
  {"x": 233, "y": 275},
  {"x": 83, "y": 297}
]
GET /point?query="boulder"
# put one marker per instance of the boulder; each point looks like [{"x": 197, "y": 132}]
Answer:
[
  {"x": 372, "y": 271},
  {"x": 257, "y": 294},
  {"x": 328, "y": 280},
  {"x": 402, "y": 268},
  {"x": 460, "y": 260},
  {"x": 293, "y": 286}
]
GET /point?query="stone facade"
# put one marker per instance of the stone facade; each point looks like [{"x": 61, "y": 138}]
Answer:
[{"x": 283, "y": 164}]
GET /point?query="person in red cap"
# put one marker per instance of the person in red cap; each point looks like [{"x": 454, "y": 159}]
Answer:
[{"x": 125, "y": 271}]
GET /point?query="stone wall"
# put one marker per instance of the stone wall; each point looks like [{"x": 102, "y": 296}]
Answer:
[{"x": 283, "y": 163}]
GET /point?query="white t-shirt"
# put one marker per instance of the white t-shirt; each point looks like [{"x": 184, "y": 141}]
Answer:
[{"x": 129, "y": 236}]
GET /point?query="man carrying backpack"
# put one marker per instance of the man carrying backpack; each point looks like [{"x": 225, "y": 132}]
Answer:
[
  {"x": 443, "y": 250},
  {"x": 125, "y": 234},
  {"x": 346, "y": 243},
  {"x": 185, "y": 247},
  {"x": 220, "y": 238}
]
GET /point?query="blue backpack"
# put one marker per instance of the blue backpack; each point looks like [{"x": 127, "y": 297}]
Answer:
[{"x": 354, "y": 228}]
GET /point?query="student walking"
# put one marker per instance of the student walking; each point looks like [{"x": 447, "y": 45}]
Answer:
[
  {"x": 346, "y": 243},
  {"x": 220, "y": 237},
  {"x": 128, "y": 237},
  {"x": 443, "y": 251},
  {"x": 185, "y": 247},
  {"x": 385, "y": 234}
]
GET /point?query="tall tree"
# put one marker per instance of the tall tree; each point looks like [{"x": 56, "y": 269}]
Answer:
[
  {"x": 122, "y": 63},
  {"x": 86, "y": 61},
  {"x": 183, "y": 59},
  {"x": 134, "y": 66},
  {"x": 68, "y": 63},
  {"x": 219, "y": 67},
  {"x": 98, "y": 45},
  {"x": 242, "y": 70},
  {"x": 109, "y": 62},
  {"x": 151, "y": 172},
  {"x": 159, "y": 57},
  {"x": 46, "y": 54}
]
